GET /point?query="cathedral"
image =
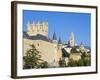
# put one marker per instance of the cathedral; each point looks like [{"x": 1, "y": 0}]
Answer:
[{"x": 49, "y": 49}]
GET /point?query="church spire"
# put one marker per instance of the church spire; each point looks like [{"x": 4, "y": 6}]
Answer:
[{"x": 54, "y": 36}]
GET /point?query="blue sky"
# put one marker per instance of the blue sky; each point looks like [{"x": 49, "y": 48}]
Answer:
[{"x": 62, "y": 23}]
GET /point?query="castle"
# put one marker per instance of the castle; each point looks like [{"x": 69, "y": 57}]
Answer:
[
  {"x": 37, "y": 28},
  {"x": 50, "y": 49}
]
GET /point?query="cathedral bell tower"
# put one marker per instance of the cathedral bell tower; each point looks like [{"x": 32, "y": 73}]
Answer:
[{"x": 71, "y": 41}]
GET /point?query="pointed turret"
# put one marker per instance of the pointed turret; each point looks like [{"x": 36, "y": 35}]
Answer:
[
  {"x": 54, "y": 36},
  {"x": 59, "y": 41}
]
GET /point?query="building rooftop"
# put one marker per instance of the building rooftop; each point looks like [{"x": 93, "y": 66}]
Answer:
[
  {"x": 37, "y": 37},
  {"x": 54, "y": 36},
  {"x": 59, "y": 42}
]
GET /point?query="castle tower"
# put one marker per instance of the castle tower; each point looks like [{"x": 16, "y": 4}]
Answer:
[
  {"x": 45, "y": 28},
  {"x": 59, "y": 41},
  {"x": 54, "y": 41},
  {"x": 60, "y": 46},
  {"x": 29, "y": 28},
  {"x": 37, "y": 28},
  {"x": 71, "y": 41},
  {"x": 59, "y": 51},
  {"x": 54, "y": 38}
]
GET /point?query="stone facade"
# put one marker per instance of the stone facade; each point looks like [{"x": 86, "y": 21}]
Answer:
[
  {"x": 50, "y": 51},
  {"x": 37, "y": 28}
]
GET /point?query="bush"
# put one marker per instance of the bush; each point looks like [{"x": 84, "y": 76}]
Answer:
[
  {"x": 62, "y": 63},
  {"x": 81, "y": 62},
  {"x": 44, "y": 64},
  {"x": 72, "y": 63}
]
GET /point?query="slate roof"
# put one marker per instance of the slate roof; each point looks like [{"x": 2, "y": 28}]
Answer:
[
  {"x": 37, "y": 37},
  {"x": 54, "y": 36},
  {"x": 59, "y": 42},
  {"x": 65, "y": 53}
]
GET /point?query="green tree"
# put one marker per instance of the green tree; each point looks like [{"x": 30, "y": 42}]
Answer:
[
  {"x": 72, "y": 63},
  {"x": 80, "y": 62},
  {"x": 44, "y": 64},
  {"x": 32, "y": 59},
  {"x": 87, "y": 61},
  {"x": 84, "y": 61},
  {"x": 62, "y": 62}
]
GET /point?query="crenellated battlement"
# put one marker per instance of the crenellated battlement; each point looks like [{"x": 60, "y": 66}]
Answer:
[{"x": 37, "y": 28}]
